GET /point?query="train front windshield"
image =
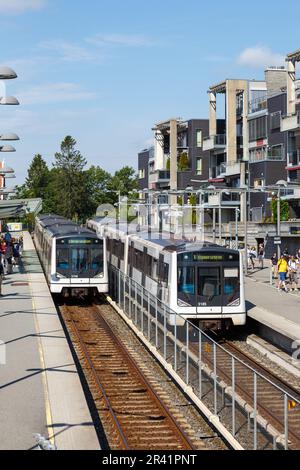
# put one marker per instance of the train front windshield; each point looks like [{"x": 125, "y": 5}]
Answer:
[
  {"x": 79, "y": 257},
  {"x": 208, "y": 279}
]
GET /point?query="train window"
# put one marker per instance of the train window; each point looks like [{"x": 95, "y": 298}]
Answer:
[
  {"x": 97, "y": 260},
  {"x": 186, "y": 280},
  {"x": 79, "y": 258},
  {"x": 231, "y": 288},
  {"x": 62, "y": 260},
  {"x": 209, "y": 284}
]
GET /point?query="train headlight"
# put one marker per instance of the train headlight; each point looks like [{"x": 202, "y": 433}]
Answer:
[
  {"x": 60, "y": 276},
  {"x": 100, "y": 276}
]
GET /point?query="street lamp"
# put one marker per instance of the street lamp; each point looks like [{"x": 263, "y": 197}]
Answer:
[
  {"x": 9, "y": 101},
  {"x": 9, "y": 137},
  {"x": 7, "y": 148},
  {"x": 6, "y": 73}
]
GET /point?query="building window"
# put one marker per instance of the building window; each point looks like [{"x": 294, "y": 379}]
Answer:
[
  {"x": 259, "y": 183},
  {"x": 141, "y": 174},
  {"x": 199, "y": 166},
  {"x": 258, "y": 154},
  {"x": 258, "y": 128},
  {"x": 199, "y": 138},
  {"x": 275, "y": 119}
]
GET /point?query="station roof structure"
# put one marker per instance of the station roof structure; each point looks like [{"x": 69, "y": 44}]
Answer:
[{"x": 19, "y": 207}]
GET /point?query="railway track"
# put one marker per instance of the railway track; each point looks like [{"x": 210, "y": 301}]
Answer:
[
  {"x": 132, "y": 413},
  {"x": 270, "y": 402}
]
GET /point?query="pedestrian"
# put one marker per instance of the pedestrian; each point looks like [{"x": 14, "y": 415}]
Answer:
[
  {"x": 282, "y": 266},
  {"x": 16, "y": 252},
  {"x": 261, "y": 255},
  {"x": 9, "y": 257},
  {"x": 286, "y": 252},
  {"x": 274, "y": 261},
  {"x": 1, "y": 278},
  {"x": 293, "y": 275}
]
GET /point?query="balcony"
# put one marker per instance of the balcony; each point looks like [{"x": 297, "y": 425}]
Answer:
[
  {"x": 214, "y": 142},
  {"x": 218, "y": 171},
  {"x": 290, "y": 194},
  {"x": 293, "y": 159},
  {"x": 159, "y": 176},
  {"x": 258, "y": 105},
  {"x": 224, "y": 199},
  {"x": 259, "y": 155},
  {"x": 290, "y": 122},
  {"x": 233, "y": 168}
]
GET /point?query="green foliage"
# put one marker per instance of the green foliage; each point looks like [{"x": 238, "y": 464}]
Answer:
[
  {"x": 284, "y": 210},
  {"x": 168, "y": 164},
  {"x": 184, "y": 162},
  {"x": 68, "y": 189},
  {"x": 71, "y": 182}
]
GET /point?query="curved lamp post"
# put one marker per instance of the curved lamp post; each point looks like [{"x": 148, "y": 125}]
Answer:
[{"x": 6, "y": 73}]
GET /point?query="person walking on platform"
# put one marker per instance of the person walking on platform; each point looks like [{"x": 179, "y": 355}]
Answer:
[
  {"x": 261, "y": 255},
  {"x": 8, "y": 257},
  {"x": 274, "y": 261},
  {"x": 282, "y": 273},
  {"x": 293, "y": 268},
  {"x": 1, "y": 278}
]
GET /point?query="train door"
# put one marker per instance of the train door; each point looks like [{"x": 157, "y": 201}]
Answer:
[
  {"x": 80, "y": 266},
  {"x": 209, "y": 292}
]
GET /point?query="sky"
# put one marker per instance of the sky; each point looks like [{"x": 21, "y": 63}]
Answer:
[{"x": 105, "y": 71}]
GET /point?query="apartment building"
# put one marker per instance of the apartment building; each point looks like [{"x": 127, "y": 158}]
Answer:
[
  {"x": 251, "y": 140},
  {"x": 177, "y": 159}
]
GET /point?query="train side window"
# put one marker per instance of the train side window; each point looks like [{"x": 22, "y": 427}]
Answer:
[
  {"x": 62, "y": 259},
  {"x": 97, "y": 260},
  {"x": 186, "y": 280}
]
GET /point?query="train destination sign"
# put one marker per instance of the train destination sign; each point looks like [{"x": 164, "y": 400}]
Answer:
[
  {"x": 203, "y": 257},
  {"x": 208, "y": 257},
  {"x": 78, "y": 241}
]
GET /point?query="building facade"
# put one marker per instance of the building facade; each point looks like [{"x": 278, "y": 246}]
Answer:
[{"x": 253, "y": 145}]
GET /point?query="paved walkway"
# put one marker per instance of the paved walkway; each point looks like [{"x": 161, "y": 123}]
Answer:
[
  {"x": 40, "y": 390},
  {"x": 278, "y": 309}
]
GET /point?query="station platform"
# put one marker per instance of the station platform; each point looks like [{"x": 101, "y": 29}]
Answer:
[
  {"x": 277, "y": 313},
  {"x": 40, "y": 389}
]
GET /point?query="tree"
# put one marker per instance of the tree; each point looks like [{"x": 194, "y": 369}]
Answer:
[
  {"x": 184, "y": 162},
  {"x": 98, "y": 181},
  {"x": 70, "y": 183},
  {"x": 124, "y": 181},
  {"x": 37, "y": 180},
  {"x": 284, "y": 210},
  {"x": 38, "y": 177}
]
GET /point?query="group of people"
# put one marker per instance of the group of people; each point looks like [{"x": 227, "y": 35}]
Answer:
[
  {"x": 254, "y": 254},
  {"x": 10, "y": 252},
  {"x": 286, "y": 269}
]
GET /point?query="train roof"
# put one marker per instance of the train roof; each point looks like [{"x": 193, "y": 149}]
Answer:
[
  {"x": 163, "y": 240},
  {"x": 61, "y": 227}
]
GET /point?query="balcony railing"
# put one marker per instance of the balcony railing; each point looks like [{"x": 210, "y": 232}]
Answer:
[
  {"x": 294, "y": 158},
  {"x": 259, "y": 104},
  {"x": 218, "y": 171},
  {"x": 273, "y": 155}
]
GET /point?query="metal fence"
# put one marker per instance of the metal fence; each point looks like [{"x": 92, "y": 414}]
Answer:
[{"x": 234, "y": 392}]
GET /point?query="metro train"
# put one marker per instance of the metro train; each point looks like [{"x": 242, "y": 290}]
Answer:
[
  {"x": 73, "y": 257},
  {"x": 200, "y": 282}
]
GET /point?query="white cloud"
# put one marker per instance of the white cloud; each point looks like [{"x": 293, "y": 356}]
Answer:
[
  {"x": 16, "y": 7},
  {"x": 69, "y": 52},
  {"x": 125, "y": 40},
  {"x": 53, "y": 93},
  {"x": 260, "y": 56}
]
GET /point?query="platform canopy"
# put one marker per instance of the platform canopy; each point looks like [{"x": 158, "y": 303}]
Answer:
[{"x": 19, "y": 207}]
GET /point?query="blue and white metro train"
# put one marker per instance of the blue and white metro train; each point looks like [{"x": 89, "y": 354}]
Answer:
[
  {"x": 201, "y": 282},
  {"x": 73, "y": 257}
]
